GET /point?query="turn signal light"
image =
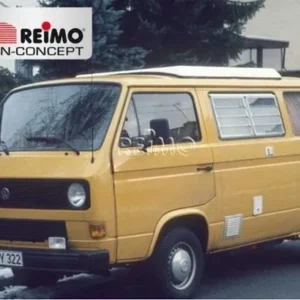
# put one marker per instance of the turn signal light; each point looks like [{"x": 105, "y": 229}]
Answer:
[{"x": 97, "y": 231}]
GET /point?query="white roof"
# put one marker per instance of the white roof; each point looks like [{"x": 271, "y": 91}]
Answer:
[{"x": 199, "y": 72}]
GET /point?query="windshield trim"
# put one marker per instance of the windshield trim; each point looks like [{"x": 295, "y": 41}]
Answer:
[{"x": 53, "y": 84}]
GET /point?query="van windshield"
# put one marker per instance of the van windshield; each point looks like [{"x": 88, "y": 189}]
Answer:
[{"x": 58, "y": 117}]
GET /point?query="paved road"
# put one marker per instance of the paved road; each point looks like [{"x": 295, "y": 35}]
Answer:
[{"x": 272, "y": 273}]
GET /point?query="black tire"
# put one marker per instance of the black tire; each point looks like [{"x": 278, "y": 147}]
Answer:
[
  {"x": 171, "y": 251},
  {"x": 33, "y": 279}
]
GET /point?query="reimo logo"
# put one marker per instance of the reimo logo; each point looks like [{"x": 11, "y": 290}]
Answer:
[{"x": 47, "y": 35}]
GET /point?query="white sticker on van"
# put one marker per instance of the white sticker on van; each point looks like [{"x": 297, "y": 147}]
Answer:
[
  {"x": 233, "y": 226},
  {"x": 269, "y": 151},
  {"x": 257, "y": 205}
]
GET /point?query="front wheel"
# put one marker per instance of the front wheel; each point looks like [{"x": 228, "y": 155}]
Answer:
[{"x": 178, "y": 263}]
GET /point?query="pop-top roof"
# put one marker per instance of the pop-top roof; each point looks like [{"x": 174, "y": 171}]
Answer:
[{"x": 198, "y": 72}]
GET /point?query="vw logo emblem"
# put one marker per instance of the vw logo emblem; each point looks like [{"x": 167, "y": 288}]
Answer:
[{"x": 5, "y": 194}]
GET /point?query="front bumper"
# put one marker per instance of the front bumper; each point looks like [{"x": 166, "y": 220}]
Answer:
[{"x": 64, "y": 261}]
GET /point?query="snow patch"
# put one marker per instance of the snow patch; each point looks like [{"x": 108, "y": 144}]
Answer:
[
  {"x": 12, "y": 292},
  {"x": 75, "y": 277},
  {"x": 63, "y": 286},
  {"x": 5, "y": 273}
]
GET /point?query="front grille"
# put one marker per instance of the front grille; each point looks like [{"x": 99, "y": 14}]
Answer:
[
  {"x": 31, "y": 230},
  {"x": 39, "y": 193}
]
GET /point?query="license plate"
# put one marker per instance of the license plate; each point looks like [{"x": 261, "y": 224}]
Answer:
[{"x": 11, "y": 259}]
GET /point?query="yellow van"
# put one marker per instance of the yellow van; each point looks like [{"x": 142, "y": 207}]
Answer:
[{"x": 155, "y": 167}]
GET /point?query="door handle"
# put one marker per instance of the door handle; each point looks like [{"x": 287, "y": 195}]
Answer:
[{"x": 205, "y": 169}]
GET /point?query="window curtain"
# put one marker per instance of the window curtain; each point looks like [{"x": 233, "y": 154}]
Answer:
[{"x": 292, "y": 101}]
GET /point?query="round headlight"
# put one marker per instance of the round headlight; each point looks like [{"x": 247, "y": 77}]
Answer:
[{"x": 76, "y": 195}]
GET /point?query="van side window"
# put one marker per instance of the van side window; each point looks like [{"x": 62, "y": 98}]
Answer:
[
  {"x": 292, "y": 101},
  {"x": 247, "y": 115},
  {"x": 129, "y": 134},
  {"x": 161, "y": 118}
]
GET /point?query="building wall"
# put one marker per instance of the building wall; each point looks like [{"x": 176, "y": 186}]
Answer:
[{"x": 280, "y": 19}]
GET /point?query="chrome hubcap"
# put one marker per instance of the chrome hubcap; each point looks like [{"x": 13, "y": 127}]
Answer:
[{"x": 182, "y": 266}]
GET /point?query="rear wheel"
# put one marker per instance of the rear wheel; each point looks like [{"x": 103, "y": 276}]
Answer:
[
  {"x": 33, "y": 278},
  {"x": 178, "y": 263}
]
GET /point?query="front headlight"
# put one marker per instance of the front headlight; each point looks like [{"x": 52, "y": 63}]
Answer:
[{"x": 76, "y": 195}]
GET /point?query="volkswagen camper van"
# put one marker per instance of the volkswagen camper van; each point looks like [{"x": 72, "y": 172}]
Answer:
[{"x": 154, "y": 168}]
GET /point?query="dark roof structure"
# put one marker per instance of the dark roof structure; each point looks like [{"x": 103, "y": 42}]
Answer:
[{"x": 262, "y": 43}]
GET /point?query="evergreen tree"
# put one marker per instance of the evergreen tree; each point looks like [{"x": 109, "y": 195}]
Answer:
[
  {"x": 107, "y": 54},
  {"x": 205, "y": 32},
  {"x": 10, "y": 81},
  {"x": 7, "y": 82}
]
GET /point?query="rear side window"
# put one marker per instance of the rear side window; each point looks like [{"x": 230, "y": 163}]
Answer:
[
  {"x": 292, "y": 101},
  {"x": 160, "y": 118},
  {"x": 247, "y": 115}
]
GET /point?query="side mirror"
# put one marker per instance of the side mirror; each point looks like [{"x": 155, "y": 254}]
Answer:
[{"x": 160, "y": 131}]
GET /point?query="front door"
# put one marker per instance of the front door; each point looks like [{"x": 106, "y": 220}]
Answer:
[{"x": 173, "y": 171}]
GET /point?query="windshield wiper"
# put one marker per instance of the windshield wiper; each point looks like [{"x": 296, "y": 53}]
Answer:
[
  {"x": 52, "y": 140},
  {"x": 4, "y": 147}
]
